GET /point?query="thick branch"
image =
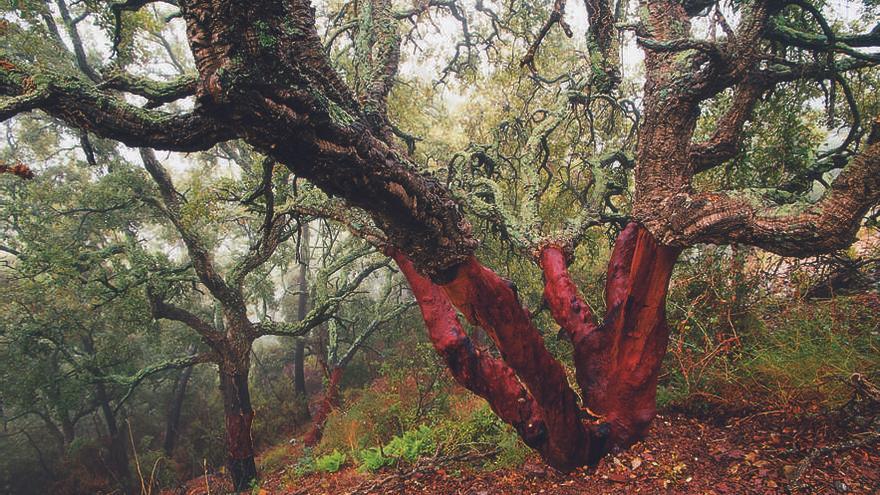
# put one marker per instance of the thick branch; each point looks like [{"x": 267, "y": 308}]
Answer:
[
  {"x": 311, "y": 122},
  {"x": 727, "y": 138},
  {"x": 84, "y": 106},
  {"x": 156, "y": 92},
  {"x": 163, "y": 310},
  {"x": 177, "y": 363},
  {"x": 567, "y": 306},
  {"x": 789, "y": 230}
]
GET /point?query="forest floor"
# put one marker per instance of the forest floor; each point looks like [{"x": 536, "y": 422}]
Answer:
[{"x": 758, "y": 453}]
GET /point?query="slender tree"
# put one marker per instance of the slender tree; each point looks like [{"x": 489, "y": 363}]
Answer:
[
  {"x": 346, "y": 335},
  {"x": 302, "y": 309},
  {"x": 175, "y": 407}
]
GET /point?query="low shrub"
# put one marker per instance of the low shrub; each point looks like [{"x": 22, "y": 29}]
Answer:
[
  {"x": 407, "y": 447},
  {"x": 373, "y": 459},
  {"x": 331, "y": 462}
]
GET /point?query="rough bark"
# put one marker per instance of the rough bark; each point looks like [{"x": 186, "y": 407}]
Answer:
[{"x": 264, "y": 77}]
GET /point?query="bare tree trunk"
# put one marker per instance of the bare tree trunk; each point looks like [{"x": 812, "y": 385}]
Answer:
[
  {"x": 239, "y": 417},
  {"x": 302, "y": 309},
  {"x": 172, "y": 422}
]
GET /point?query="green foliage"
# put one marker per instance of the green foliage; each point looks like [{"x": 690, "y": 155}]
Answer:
[
  {"x": 274, "y": 457},
  {"x": 810, "y": 352},
  {"x": 481, "y": 430},
  {"x": 305, "y": 464},
  {"x": 372, "y": 459},
  {"x": 412, "y": 445},
  {"x": 410, "y": 392},
  {"x": 407, "y": 447},
  {"x": 331, "y": 462}
]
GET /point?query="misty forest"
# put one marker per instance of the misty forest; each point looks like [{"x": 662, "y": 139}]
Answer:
[{"x": 439, "y": 246}]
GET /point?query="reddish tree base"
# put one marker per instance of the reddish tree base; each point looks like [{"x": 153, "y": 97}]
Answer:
[
  {"x": 617, "y": 362},
  {"x": 757, "y": 456},
  {"x": 240, "y": 462},
  {"x": 329, "y": 401},
  {"x": 239, "y": 419}
]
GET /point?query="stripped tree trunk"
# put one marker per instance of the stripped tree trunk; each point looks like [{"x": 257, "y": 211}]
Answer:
[
  {"x": 239, "y": 417},
  {"x": 617, "y": 362},
  {"x": 264, "y": 77}
]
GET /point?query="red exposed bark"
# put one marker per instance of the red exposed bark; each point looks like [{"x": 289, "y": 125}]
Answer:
[
  {"x": 618, "y": 362},
  {"x": 475, "y": 370},
  {"x": 239, "y": 417},
  {"x": 19, "y": 169},
  {"x": 491, "y": 302},
  {"x": 567, "y": 307},
  {"x": 328, "y": 402}
]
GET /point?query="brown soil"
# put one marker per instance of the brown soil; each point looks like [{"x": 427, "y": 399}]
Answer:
[{"x": 762, "y": 453}]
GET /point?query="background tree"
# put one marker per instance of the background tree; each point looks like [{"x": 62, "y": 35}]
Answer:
[{"x": 77, "y": 341}]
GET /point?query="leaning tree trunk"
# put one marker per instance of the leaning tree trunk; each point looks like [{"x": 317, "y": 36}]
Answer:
[
  {"x": 325, "y": 407},
  {"x": 239, "y": 417},
  {"x": 617, "y": 362}
]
